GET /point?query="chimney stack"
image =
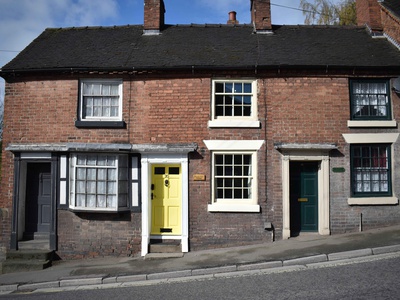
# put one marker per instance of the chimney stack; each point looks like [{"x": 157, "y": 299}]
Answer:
[
  {"x": 232, "y": 18},
  {"x": 369, "y": 13},
  {"x": 154, "y": 11},
  {"x": 261, "y": 15}
]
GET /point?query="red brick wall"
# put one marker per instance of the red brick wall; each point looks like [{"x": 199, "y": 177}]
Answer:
[
  {"x": 316, "y": 110},
  {"x": 368, "y": 12},
  {"x": 391, "y": 25},
  {"x": 169, "y": 110},
  {"x": 176, "y": 110}
]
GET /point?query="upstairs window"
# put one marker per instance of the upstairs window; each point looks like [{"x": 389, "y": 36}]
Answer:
[
  {"x": 234, "y": 103},
  {"x": 370, "y": 100},
  {"x": 100, "y": 103},
  {"x": 99, "y": 182},
  {"x": 371, "y": 170}
]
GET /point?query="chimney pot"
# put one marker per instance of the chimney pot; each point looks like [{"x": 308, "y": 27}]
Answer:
[{"x": 232, "y": 18}]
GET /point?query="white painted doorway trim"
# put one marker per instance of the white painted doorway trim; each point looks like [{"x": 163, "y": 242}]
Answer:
[
  {"x": 147, "y": 161},
  {"x": 323, "y": 188}
]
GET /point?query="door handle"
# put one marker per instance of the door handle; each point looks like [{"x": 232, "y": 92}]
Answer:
[
  {"x": 302, "y": 200},
  {"x": 166, "y": 182},
  {"x": 152, "y": 196}
]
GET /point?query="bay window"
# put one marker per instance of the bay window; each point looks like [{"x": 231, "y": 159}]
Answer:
[{"x": 99, "y": 182}]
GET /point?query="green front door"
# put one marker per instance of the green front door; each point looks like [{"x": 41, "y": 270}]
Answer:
[{"x": 303, "y": 197}]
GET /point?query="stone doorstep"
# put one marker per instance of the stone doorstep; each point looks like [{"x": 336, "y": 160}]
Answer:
[
  {"x": 18, "y": 265},
  {"x": 29, "y": 254},
  {"x": 26, "y": 260}
]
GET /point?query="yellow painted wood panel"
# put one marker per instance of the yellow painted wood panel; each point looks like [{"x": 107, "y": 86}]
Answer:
[{"x": 166, "y": 203}]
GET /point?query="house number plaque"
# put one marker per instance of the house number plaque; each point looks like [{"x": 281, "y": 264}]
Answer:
[{"x": 199, "y": 177}]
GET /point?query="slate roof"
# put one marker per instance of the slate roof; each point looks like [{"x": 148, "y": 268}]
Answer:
[
  {"x": 203, "y": 46},
  {"x": 393, "y": 6}
]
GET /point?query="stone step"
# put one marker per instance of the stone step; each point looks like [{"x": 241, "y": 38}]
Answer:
[
  {"x": 37, "y": 244},
  {"x": 165, "y": 246},
  {"x": 29, "y": 254},
  {"x": 27, "y": 260},
  {"x": 23, "y": 265}
]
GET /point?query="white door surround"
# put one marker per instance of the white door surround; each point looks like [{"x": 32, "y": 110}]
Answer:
[
  {"x": 306, "y": 152},
  {"x": 147, "y": 161}
]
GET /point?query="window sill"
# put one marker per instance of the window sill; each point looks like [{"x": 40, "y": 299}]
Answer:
[
  {"x": 234, "y": 208},
  {"x": 234, "y": 123},
  {"x": 100, "y": 124},
  {"x": 389, "y": 123},
  {"x": 373, "y": 201},
  {"x": 99, "y": 210}
]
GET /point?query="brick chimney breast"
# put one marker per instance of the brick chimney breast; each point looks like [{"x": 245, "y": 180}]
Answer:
[
  {"x": 154, "y": 14},
  {"x": 261, "y": 15},
  {"x": 369, "y": 13}
]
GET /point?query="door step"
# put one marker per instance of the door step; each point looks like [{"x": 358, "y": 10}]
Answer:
[
  {"x": 27, "y": 260},
  {"x": 165, "y": 246},
  {"x": 37, "y": 244}
]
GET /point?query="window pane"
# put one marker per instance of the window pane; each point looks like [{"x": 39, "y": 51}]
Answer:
[
  {"x": 81, "y": 187},
  {"x": 238, "y": 88},
  {"x": 173, "y": 170},
  {"x": 228, "y": 87},
  {"x": 219, "y": 87},
  {"x": 159, "y": 170},
  {"x": 111, "y": 201},
  {"x": 247, "y": 88},
  {"x": 80, "y": 200},
  {"x": 101, "y": 201},
  {"x": 91, "y": 201}
]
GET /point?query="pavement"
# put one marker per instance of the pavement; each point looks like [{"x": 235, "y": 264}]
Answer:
[{"x": 116, "y": 271}]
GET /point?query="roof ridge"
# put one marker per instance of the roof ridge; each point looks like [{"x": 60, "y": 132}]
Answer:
[{"x": 94, "y": 27}]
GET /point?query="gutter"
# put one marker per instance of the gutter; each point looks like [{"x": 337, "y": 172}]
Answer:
[{"x": 5, "y": 73}]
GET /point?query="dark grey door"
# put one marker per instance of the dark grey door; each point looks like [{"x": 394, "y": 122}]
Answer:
[{"x": 38, "y": 198}]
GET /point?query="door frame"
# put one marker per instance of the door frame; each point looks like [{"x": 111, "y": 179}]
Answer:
[
  {"x": 21, "y": 161},
  {"x": 147, "y": 161},
  {"x": 316, "y": 154}
]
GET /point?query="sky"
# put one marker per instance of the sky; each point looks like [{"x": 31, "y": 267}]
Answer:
[{"x": 21, "y": 21}]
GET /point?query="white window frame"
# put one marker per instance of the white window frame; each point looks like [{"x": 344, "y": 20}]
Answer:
[
  {"x": 120, "y": 206},
  {"x": 82, "y": 107},
  {"x": 235, "y": 147},
  {"x": 235, "y": 121}
]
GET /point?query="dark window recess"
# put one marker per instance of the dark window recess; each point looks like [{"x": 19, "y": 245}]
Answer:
[
  {"x": 174, "y": 170},
  {"x": 159, "y": 170}
]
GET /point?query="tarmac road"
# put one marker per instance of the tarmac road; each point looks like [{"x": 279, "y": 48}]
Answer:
[{"x": 366, "y": 278}]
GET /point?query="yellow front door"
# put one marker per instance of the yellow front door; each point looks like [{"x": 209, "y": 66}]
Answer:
[{"x": 166, "y": 200}]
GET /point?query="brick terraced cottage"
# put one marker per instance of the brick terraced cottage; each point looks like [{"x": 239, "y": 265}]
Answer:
[{"x": 209, "y": 135}]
